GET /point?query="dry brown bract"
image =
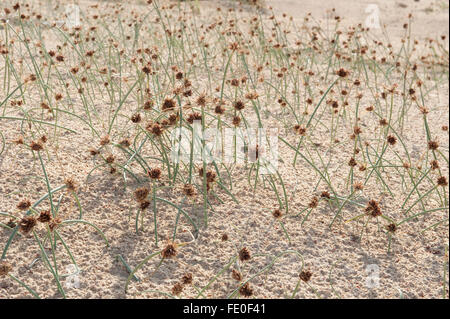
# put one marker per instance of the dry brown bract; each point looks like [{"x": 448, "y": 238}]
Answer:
[
  {"x": 169, "y": 251},
  {"x": 236, "y": 275},
  {"x": 187, "y": 279},
  {"x": 277, "y": 213},
  {"x": 391, "y": 228},
  {"x": 305, "y": 275},
  {"x": 24, "y": 204},
  {"x": 45, "y": 216},
  {"x": 188, "y": 190},
  {"x": 36, "y": 146},
  {"x": 442, "y": 181},
  {"x": 246, "y": 290},
  {"x": 154, "y": 173},
  {"x": 244, "y": 254},
  {"x": 373, "y": 208},
  {"x": 177, "y": 289},
  {"x": 27, "y": 224},
  {"x": 141, "y": 194},
  {"x": 5, "y": 268}
]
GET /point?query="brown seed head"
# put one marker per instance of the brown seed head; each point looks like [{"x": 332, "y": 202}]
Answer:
[
  {"x": 71, "y": 184},
  {"x": 244, "y": 254},
  {"x": 177, "y": 289},
  {"x": 236, "y": 275},
  {"x": 314, "y": 202},
  {"x": 55, "y": 222},
  {"x": 141, "y": 194},
  {"x": 391, "y": 228},
  {"x": 246, "y": 290},
  {"x": 373, "y": 208},
  {"x": 36, "y": 146},
  {"x": 144, "y": 204},
  {"x": 239, "y": 105},
  {"x": 187, "y": 279},
  {"x": 342, "y": 72},
  {"x": 5, "y": 268},
  {"x": 277, "y": 213},
  {"x": 325, "y": 194},
  {"x": 169, "y": 251},
  {"x": 236, "y": 120},
  {"x": 391, "y": 140},
  {"x": 305, "y": 275},
  {"x": 45, "y": 216},
  {"x": 154, "y": 173},
  {"x": 24, "y": 204},
  {"x": 442, "y": 181},
  {"x": 188, "y": 190},
  {"x": 433, "y": 145}
]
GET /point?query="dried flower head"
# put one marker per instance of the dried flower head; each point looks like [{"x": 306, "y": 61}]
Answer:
[
  {"x": 24, "y": 204},
  {"x": 156, "y": 129},
  {"x": 244, "y": 254},
  {"x": 136, "y": 118},
  {"x": 110, "y": 159},
  {"x": 239, "y": 105},
  {"x": 305, "y": 275},
  {"x": 11, "y": 223},
  {"x": 141, "y": 194},
  {"x": 45, "y": 216},
  {"x": 168, "y": 105},
  {"x": 144, "y": 204},
  {"x": 219, "y": 109},
  {"x": 236, "y": 120},
  {"x": 433, "y": 145},
  {"x": 342, "y": 72},
  {"x": 54, "y": 223},
  {"x": 442, "y": 181},
  {"x": 36, "y": 146},
  {"x": 188, "y": 190},
  {"x": 187, "y": 279},
  {"x": 277, "y": 213},
  {"x": 154, "y": 173},
  {"x": 314, "y": 202},
  {"x": 5, "y": 268},
  {"x": 352, "y": 162},
  {"x": 236, "y": 275},
  {"x": 383, "y": 122},
  {"x": 325, "y": 194},
  {"x": 104, "y": 140},
  {"x": 391, "y": 228},
  {"x": 27, "y": 224},
  {"x": 373, "y": 208},
  {"x": 391, "y": 139},
  {"x": 246, "y": 290},
  {"x": 177, "y": 289},
  {"x": 125, "y": 143},
  {"x": 169, "y": 251},
  {"x": 71, "y": 184},
  {"x": 434, "y": 164}
]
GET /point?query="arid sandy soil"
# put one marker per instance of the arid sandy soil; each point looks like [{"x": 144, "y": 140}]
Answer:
[{"x": 412, "y": 264}]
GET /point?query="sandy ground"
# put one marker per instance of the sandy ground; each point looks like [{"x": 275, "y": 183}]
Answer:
[{"x": 338, "y": 260}]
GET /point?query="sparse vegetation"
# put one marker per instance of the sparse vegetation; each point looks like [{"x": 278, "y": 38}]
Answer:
[{"x": 91, "y": 117}]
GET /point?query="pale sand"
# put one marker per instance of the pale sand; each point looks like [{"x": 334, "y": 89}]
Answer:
[{"x": 337, "y": 260}]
